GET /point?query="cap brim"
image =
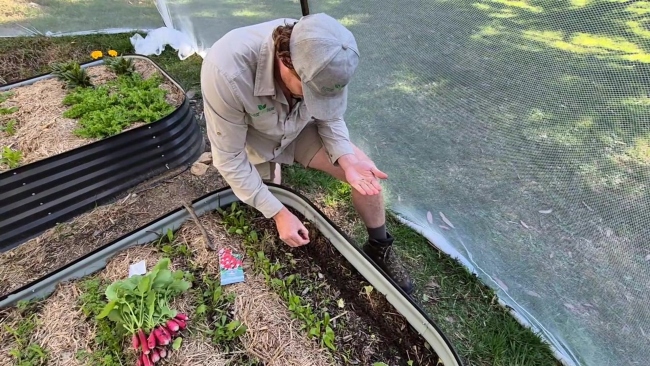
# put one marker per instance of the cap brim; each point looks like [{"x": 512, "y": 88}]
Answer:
[{"x": 325, "y": 106}]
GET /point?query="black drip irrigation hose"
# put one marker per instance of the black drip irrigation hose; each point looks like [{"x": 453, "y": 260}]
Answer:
[{"x": 222, "y": 198}]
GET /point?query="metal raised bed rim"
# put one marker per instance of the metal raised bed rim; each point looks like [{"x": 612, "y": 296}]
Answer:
[
  {"x": 37, "y": 196},
  {"x": 224, "y": 197}
]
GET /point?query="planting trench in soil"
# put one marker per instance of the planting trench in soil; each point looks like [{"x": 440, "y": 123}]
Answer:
[
  {"x": 304, "y": 306},
  {"x": 78, "y": 107}
]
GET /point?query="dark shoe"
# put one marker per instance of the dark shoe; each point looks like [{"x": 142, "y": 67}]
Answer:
[{"x": 381, "y": 252}]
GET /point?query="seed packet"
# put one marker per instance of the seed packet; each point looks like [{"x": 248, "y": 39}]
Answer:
[{"x": 231, "y": 267}]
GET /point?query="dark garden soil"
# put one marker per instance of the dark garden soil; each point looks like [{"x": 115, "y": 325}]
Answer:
[{"x": 368, "y": 327}]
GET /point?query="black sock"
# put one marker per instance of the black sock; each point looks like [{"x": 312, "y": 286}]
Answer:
[{"x": 378, "y": 233}]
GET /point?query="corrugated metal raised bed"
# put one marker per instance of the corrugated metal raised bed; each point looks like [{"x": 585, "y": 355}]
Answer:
[
  {"x": 78, "y": 149},
  {"x": 322, "y": 304}
]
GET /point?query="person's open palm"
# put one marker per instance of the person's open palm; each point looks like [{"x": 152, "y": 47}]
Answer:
[{"x": 364, "y": 177}]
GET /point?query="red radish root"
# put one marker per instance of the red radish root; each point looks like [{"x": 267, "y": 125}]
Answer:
[
  {"x": 143, "y": 342},
  {"x": 181, "y": 323},
  {"x": 155, "y": 356},
  {"x": 172, "y": 325},
  {"x": 146, "y": 361},
  {"x": 160, "y": 336}
]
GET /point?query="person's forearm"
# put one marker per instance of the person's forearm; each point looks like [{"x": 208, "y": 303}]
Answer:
[
  {"x": 246, "y": 182},
  {"x": 347, "y": 160},
  {"x": 336, "y": 140}
]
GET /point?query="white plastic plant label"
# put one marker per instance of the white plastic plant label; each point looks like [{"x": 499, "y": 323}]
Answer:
[{"x": 139, "y": 268}]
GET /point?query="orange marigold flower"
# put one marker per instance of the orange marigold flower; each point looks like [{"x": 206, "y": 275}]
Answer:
[
  {"x": 96, "y": 54},
  {"x": 112, "y": 53}
]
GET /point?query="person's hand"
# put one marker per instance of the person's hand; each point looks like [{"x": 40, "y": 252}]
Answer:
[
  {"x": 362, "y": 175},
  {"x": 291, "y": 230}
]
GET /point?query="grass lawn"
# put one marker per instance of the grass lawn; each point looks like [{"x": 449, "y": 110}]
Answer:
[{"x": 483, "y": 333}]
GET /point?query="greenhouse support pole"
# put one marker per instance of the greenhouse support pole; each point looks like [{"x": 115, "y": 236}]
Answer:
[{"x": 304, "y": 4}]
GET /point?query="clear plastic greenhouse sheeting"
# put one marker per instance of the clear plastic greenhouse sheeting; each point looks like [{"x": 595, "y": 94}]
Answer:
[
  {"x": 62, "y": 17},
  {"x": 517, "y": 137}
]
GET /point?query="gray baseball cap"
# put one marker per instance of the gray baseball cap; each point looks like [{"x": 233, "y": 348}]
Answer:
[{"x": 325, "y": 55}]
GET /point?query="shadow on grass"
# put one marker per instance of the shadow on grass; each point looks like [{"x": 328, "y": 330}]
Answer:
[
  {"x": 56, "y": 16},
  {"x": 526, "y": 123}
]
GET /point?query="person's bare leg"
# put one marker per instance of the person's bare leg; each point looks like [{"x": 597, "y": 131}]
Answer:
[
  {"x": 370, "y": 208},
  {"x": 277, "y": 179},
  {"x": 372, "y": 212}
]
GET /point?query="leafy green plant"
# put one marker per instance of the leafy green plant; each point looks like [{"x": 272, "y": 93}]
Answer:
[
  {"x": 300, "y": 309},
  {"x": 120, "y": 65},
  {"x": 10, "y": 157},
  {"x": 5, "y": 95},
  {"x": 72, "y": 74},
  {"x": 26, "y": 353},
  {"x": 286, "y": 286},
  {"x": 214, "y": 304},
  {"x": 110, "y": 108},
  {"x": 140, "y": 304},
  {"x": 166, "y": 245},
  {"x": 108, "y": 338},
  {"x": 9, "y": 128},
  {"x": 8, "y": 110}
]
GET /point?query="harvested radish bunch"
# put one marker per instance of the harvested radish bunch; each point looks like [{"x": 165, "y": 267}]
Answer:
[{"x": 140, "y": 304}]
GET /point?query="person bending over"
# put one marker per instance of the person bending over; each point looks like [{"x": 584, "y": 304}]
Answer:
[{"x": 275, "y": 93}]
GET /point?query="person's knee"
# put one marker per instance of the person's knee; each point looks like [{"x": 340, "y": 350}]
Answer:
[{"x": 277, "y": 174}]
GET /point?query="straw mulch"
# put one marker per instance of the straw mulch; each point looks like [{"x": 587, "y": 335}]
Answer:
[
  {"x": 70, "y": 240},
  {"x": 273, "y": 336},
  {"x": 8, "y": 318},
  {"x": 42, "y": 131},
  {"x": 62, "y": 329}
]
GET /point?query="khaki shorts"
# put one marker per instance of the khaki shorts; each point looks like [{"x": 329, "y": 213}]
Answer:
[{"x": 307, "y": 145}]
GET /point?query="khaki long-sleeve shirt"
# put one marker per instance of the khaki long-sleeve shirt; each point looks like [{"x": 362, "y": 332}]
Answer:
[{"x": 249, "y": 120}]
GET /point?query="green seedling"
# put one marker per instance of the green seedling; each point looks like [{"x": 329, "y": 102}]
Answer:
[
  {"x": 216, "y": 306},
  {"x": 9, "y": 128},
  {"x": 8, "y": 110},
  {"x": 6, "y": 95},
  {"x": 72, "y": 74},
  {"x": 26, "y": 352},
  {"x": 120, "y": 65},
  {"x": 11, "y": 157},
  {"x": 108, "y": 109}
]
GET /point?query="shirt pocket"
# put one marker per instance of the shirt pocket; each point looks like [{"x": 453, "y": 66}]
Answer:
[{"x": 266, "y": 122}]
